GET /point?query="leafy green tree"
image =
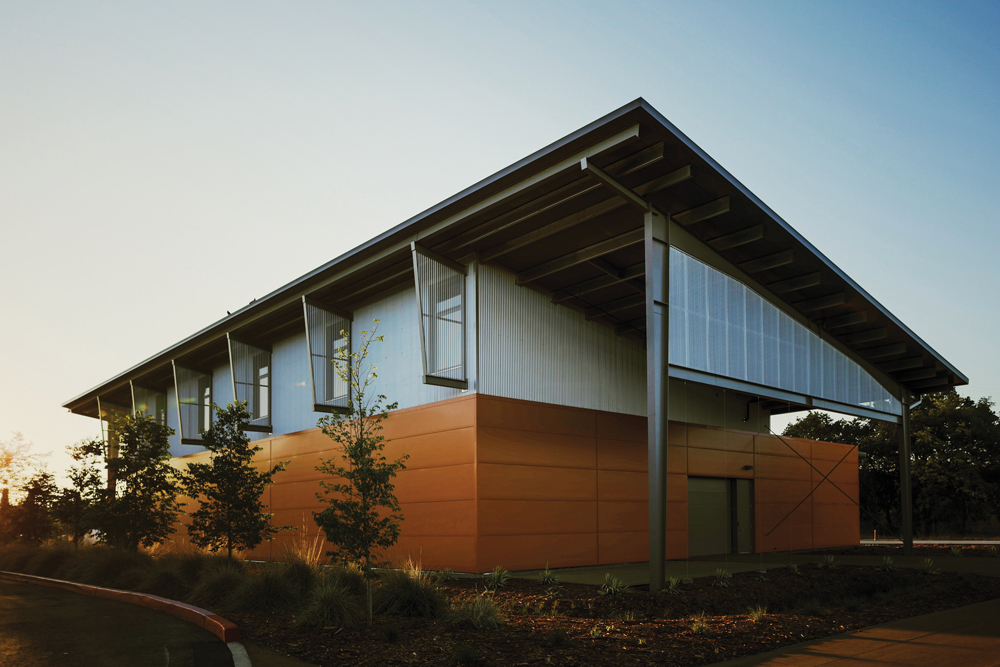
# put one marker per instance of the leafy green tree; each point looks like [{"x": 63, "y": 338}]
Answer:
[
  {"x": 955, "y": 464},
  {"x": 230, "y": 487},
  {"x": 33, "y": 522},
  {"x": 139, "y": 508},
  {"x": 363, "y": 516},
  {"x": 74, "y": 507}
]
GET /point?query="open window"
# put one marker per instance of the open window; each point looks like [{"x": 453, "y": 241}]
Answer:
[
  {"x": 251, "y": 371},
  {"x": 150, "y": 403},
  {"x": 328, "y": 338},
  {"x": 440, "y": 286},
  {"x": 194, "y": 403}
]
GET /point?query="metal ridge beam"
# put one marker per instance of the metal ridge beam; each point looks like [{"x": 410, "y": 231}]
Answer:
[
  {"x": 864, "y": 336},
  {"x": 772, "y": 261},
  {"x": 600, "y": 282},
  {"x": 819, "y": 303},
  {"x": 901, "y": 364},
  {"x": 622, "y": 191},
  {"x": 796, "y": 283}
]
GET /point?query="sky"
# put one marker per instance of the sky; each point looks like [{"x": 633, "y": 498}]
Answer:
[{"x": 163, "y": 163}]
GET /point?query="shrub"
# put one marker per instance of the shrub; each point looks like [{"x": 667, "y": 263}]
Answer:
[
  {"x": 699, "y": 624},
  {"x": 757, "y": 613},
  {"x": 218, "y": 583},
  {"x": 927, "y": 567},
  {"x": 271, "y": 590},
  {"x": 481, "y": 613},
  {"x": 887, "y": 565},
  {"x": 47, "y": 561},
  {"x": 164, "y": 578},
  {"x": 612, "y": 586},
  {"x": 347, "y": 577},
  {"x": 674, "y": 586},
  {"x": 103, "y": 566},
  {"x": 955, "y": 551},
  {"x": 409, "y": 593},
  {"x": 447, "y": 574},
  {"x": 301, "y": 572},
  {"x": 549, "y": 578},
  {"x": 331, "y": 604},
  {"x": 828, "y": 562},
  {"x": 497, "y": 578},
  {"x": 992, "y": 551},
  {"x": 14, "y": 557},
  {"x": 596, "y": 632},
  {"x": 721, "y": 578}
]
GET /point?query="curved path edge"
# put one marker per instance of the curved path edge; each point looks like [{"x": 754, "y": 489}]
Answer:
[{"x": 224, "y": 629}]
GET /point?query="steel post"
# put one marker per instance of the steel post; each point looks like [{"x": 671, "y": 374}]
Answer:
[{"x": 657, "y": 257}]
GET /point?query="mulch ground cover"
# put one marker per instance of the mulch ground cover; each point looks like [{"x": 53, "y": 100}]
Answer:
[{"x": 574, "y": 625}]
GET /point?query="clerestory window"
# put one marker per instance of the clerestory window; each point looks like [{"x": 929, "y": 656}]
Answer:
[
  {"x": 251, "y": 371},
  {"x": 328, "y": 338},
  {"x": 440, "y": 285}
]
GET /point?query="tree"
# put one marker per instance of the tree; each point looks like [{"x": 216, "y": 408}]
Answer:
[
  {"x": 17, "y": 465},
  {"x": 363, "y": 518},
  {"x": 230, "y": 487},
  {"x": 955, "y": 460},
  {"x": 33, "y": 523},
  {"x": 140, "y": 507},
  {"x": 75, "y": 505}
]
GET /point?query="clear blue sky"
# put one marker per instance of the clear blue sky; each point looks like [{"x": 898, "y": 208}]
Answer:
[{"x": 162, "y": 163}]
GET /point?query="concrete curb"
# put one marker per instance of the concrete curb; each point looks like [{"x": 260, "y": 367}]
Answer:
[{"x": 220, "y": 627}]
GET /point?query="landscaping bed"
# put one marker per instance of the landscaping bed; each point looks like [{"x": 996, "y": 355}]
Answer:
[{"x": 574, "y": 625}]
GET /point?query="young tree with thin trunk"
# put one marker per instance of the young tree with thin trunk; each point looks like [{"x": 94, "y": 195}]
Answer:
[
  {"x": 229, "y": 488},
  {"x": 363, "y": 516}
]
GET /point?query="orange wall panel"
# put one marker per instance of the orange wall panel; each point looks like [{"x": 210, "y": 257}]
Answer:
[
  {"x": 531, "y": 517},
  {"x": 436, "y": 484},
  {"x": 503, "y": 445},
  {"x": 538, "y": 417},
  {"x": 622, "y": 455},
  {"x": 433, "y": 450},
  {"x": 613, "y": 426},
  {"x": 622, "y": 485},
  {"x": 447, "y": 518},
  {"x": 623, "y": 517},
  {"x": 431, "y": 418},
  {"x": 510, "y": 482},
  {"x": 526, "y": 552},
  {"x": 718, "y": 463},
  {"x": 436, "y": 553},
  {"x": 630, "y": 547}
]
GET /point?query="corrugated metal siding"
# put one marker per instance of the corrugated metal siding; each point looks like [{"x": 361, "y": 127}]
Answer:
[
  {"x": 397, "y": 358},
  {"x": 292, "y": 400},
  {"x": 533, "y": 350}
]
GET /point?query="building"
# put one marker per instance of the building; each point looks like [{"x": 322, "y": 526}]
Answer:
[{"x": 526, "y": 323}]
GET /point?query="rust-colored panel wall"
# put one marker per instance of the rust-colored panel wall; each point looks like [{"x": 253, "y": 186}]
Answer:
[{"x": 496, "y": 481}]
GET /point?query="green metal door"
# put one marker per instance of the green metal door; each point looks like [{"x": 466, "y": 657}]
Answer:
[{"x": 709, "y": 516}]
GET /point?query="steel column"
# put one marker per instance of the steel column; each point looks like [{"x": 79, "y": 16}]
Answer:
[
  {"x": 657, "y": 258},
  {"x": 905, "y": 488}
]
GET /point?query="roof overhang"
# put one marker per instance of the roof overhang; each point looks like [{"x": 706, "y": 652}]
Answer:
[{"x": 567, "y": 220}]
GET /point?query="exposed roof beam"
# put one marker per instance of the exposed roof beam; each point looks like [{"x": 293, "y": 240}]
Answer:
[
  {"x": 927, "y": 384},
  {"x": 615, "y": 272},
  {"x": 548, "y": 230},
  {"x": 638, "y": 324},
  {"x": 580, "y": 256},
  {"x": 558, "y": 197},
  {"x": 902, "y": 364},
  {"x": 884, "y": 351},
  {"x": 772, "y": 261},
  {"x": 615, "y": 306},
  {"x": 819, "y": 303},
  {"x": 796, "y": 283},
  {"x": 921, "y": 374},
  {"x": 864, "y": 336},
  {"x": 664, "y": 182},
  {"x": 703, "y": 212},
  {"x": 597, "y": 283},
  {"x": 736, "y": 239},
  {"x": 627, "y": 194},
  {"x": 844, "y": 320}
]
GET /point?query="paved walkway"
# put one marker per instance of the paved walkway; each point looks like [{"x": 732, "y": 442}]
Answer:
[
  {"x": 43, "y": 627},
  {"x": 967, "y": 636}
]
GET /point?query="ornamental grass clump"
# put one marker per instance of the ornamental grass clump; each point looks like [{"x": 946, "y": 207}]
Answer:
[
  {"x": 300, "y": 572},
  {"x": 886, "y": 565},
  {"x": 331, "y": 605},
  {"x": 956, "y": 552},
  {"x": 47, "y": 561},
  {"x": 721, "y": 578},
  {"x": 218, "y": 583},
  {"x": 828, "y": 562},
  {"x": 674, "y": 586},
  {"x": 409, "y": 593},
  {"x": 346, "y": 576},
  {"x": 165, "y": 579},
  {"x": 481, "y": 613},
  {"x": 549, "y": 578},
  {"x": 700, "y": 625},
  {"x": 927, "y": 567},
  {"x": 757, "y": 613},
  {"x": 496, "y": 579},
  {"x": 271, "y": 590},
  {"x": 612, "y": 586}
]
